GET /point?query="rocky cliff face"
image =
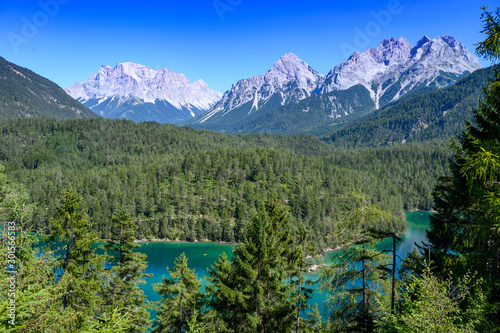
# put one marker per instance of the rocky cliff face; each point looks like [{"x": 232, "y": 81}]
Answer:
[
  {"x": 394, "y": 67},
  {"x": 389, "y": 71},
  {"x": 289, "y": 80},
  {"x": 136, "y": 92}
]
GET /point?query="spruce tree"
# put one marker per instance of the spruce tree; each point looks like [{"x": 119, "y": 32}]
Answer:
[
  {"x": 121, "y": 290},
  {"x": 181, "y": 298},
  {"x": 29, "y": 293},
  {"x": 79, "y": 265},
  {"x": 250, "y": 293},
  {"x": 465, "y": 232}
]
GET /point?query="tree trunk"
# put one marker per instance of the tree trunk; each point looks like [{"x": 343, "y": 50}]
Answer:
[
  {"x": 393, "y": 291},
  {"x": 297, "y": 330},
  {"x": 365, "y": 307}
]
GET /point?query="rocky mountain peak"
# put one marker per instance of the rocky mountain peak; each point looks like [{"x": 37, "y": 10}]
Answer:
[
  {"x": 129, "y": 81},
  {"x": 290, "y": 77},
  {"x": 395, "y": 63}
]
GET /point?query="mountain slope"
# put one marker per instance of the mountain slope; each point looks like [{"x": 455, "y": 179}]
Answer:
[
  {"x": 293, "y": 98},
  {"x": 288, "y": 81},
  {"x": 138, "y": 93},
  {"x": 395, "y": 68},
  {"x": 24, "y": 94},
  {"x": 314, "y": 115},
  {"x": 436, "y": 115}
]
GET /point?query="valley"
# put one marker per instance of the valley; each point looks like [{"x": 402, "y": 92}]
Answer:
[{"x": 247, "y": 187}]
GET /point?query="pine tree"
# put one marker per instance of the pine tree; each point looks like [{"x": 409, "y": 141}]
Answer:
[
  {"x": 36, "y": 294},
  {"x": 465, "y": 232},
  {"x": 355, "y": 279},
  {"x": 79, "y": 265},
  {"x": 250, "y": 293},
  {"x": 121, "y": 290},
  {"x": 27, "y": 278},
  {"x": 181, "y": 298}
]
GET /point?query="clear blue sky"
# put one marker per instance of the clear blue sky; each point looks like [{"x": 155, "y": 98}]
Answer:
[{"x": 218, "y": 41}]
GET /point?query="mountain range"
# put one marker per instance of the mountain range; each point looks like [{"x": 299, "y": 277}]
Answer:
[
  {"x": 135, "y": 92},
  {"x": 291, "y": 97},
  {"x": 394, "y": 68},
  {"x": 389, "y": 94},
  {"x": 436, "y": 115}
]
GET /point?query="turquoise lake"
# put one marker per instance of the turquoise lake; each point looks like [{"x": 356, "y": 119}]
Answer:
[{"x": 202, "y": 255}]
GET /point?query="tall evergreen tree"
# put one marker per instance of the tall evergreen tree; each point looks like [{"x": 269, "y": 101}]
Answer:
[
  {"x": 29, "y": 294},
  {"x": 250, "y": 293},
  {"x": 465, "y": 232},
  {"x": 121, "y": 290},
  {"x": 356, "y": 280},
  {"x": 181, "y": 298},
  {"x": 79, "y": 264}
]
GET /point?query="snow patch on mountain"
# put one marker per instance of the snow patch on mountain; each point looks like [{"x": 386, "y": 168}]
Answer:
[
  {"x": 290, "y": 77},
  {"x": 395, "y": 64},
  {"x": 128, "y": 81}
]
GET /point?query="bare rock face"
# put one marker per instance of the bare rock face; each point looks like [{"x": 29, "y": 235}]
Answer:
[
  {"x": 290, "y": 78},
  {"x": 136, "y": 92},
  {"x": 389, "y": 71},
  {"x": 394, "y": 67}
]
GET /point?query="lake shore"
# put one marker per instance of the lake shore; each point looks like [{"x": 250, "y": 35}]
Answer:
[{"x": 167, "y": 240}]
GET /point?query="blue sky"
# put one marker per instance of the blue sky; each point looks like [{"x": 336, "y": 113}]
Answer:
[{"x": 218, "y": 41}]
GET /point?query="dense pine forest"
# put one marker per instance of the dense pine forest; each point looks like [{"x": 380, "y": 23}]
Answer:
[
  {"x": 182, "y": 183},
  {"x": 69, "y": 188}
]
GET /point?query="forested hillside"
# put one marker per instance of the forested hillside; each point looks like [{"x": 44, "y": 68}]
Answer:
[{"x": 197, "y": 184}]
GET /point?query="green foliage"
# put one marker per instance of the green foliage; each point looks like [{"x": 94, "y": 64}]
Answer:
[
  {"x": 250, "y": 293},
  {"x": 17, "y": 207},
  {"x": 3, "y": 183},
  {"x": 465, "y": 232},
  {"x": 431, "y": 305},
  {"x": 182, "y": 183},
  {"x": 490, "y": 47},
  {"x": 36, "y": 297},
  {"x": 355, "y": 281},
  {"x": 79, "y": 265},
  {"x": 121, "y": 289},
  {"x": 301, "y": 292},
  {"x": 116, "y": 321},
  {"x": 181, "y": 299},
  {"x": 70, "y": 292},
  {"x": 29, "y": 295}
]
